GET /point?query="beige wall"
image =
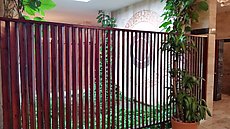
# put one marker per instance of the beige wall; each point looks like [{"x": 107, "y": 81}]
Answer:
[
  {"x": 71, "y": 18},
  {"x": 223, "y": 26}
]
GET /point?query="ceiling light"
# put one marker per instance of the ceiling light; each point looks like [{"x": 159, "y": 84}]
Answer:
[{"x": 83, "y": 0}]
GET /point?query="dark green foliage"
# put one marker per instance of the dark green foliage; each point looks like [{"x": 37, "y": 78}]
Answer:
[
  {"x": 106, "y": 20},
  {"x": 178, "y": 16}
]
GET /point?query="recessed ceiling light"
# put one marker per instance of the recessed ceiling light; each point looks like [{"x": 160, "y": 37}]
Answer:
[{"x": 83, "y": 0}]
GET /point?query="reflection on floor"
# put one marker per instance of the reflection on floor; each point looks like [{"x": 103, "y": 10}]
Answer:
[{"x": 221, "y": 115}]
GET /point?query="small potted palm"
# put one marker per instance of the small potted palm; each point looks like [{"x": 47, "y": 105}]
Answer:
[{"x": 178, "y": 16}]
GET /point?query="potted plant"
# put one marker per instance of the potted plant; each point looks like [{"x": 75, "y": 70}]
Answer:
[{"x": 178, "y": 16}]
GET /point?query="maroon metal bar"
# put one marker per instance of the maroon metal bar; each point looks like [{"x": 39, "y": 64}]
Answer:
[
  {"x": 54, "y": 58},
  {"x": 86, "y": 35},
  {"x": 109, "y": 77},
  {"x": 31, "y": 73},
  {"x": 74, "y": 75},
  {"x": 154, "y": 71},
  {"x": 24, "y": 75},
  {"x": 167, "y": 81},
  {"x": 92, "y": 43},
  {"x": 150, "y": 76},
  {"x": 135, "y": 84},
  {"x": 139, "y": 80},
  {"x": 5, "y": 64},
  {"x": 103, "y": 78},
  {"x": 67, "y": 66},
  {"x": 146, "y": 78},
  {"x": 143, "y": 79},
  {"x": 97, "y": 75},
  {"x": 131, "y": 74},
  {"x": 14, "y": 76},
  {"x": 164, "y": 82},
  {"x": 47, "y": 79},
  {"x": 157, "y": 74},
  {"x": 127, "y": 79},
  {"x": 39, "y": 76},
  {"x": 161, "y": 75},
  {"x": 113, "y": 77},
  {"x": 123, "y": 80},
  {"x": 118, "y": 78},
  {"x": 61, "y": 77},
  {"x": 80, "y": 80}
]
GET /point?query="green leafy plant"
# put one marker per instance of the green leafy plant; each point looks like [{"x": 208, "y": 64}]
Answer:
[
  {"x": 34, "y": 9},
  {"x": 178, "y": 16},
  {"x": 105, "y": 19}
]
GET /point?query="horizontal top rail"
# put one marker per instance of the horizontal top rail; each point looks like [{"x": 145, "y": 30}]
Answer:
[
  {"x": 74, "y": 25},
  {"x": 86, "y": 26},
  {"x": 83, "y": 26}
]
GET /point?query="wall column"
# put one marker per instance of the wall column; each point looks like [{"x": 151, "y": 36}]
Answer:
[
  {"x": 207, "y": 21},
  {"x": 211, "y": 53}
]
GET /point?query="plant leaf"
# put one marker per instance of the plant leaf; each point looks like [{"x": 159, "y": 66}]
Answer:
[
  {"x": 203, "y": 5},
  {"x": 29, "y": 10},
  {"x": 47, "y": 5}
]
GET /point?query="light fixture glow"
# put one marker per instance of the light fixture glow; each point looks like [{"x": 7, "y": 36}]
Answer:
[
  {"x": 224, "y": 2},
  {"x": 83, "y": 0}
]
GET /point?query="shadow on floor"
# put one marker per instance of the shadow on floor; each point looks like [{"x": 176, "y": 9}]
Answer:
[{"x": 221, "y": 115}]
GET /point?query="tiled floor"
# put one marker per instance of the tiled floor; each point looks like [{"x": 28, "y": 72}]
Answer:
[{"x": 221, "y": 115}]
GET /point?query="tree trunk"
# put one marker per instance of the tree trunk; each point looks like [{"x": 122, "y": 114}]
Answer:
[{"x": 10, "y": 9}]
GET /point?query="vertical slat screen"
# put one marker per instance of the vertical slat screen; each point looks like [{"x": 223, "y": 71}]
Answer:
[{"x": 69, "y": 76}]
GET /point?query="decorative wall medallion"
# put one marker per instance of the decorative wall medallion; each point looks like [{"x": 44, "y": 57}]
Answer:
[
  {"x": 143, "y": 20},
  {"x": 147, "y": 16}
]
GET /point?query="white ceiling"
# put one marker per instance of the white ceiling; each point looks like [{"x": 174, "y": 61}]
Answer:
[
  {"x": 93, "y": 5},
  {"x": 81, "y": 12}
]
